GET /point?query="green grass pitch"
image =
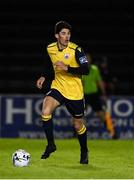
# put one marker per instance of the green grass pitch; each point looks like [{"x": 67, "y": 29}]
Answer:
[{"x": 110, "y": 159}]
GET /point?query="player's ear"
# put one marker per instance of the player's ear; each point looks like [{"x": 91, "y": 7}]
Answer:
[{"x": 56, "y": 35}]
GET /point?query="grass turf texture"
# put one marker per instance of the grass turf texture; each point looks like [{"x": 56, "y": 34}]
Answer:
[{"x": 108, "y": 159}]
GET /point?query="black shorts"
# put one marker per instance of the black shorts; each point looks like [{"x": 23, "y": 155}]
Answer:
[
  {"x": 74, "y": 107},
  {"x": 94, "y": 101}
]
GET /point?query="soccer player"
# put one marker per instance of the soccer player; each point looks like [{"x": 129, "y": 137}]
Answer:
[
  {"x": 69, "y": 63},
  {"x": 93, "y": 84}
]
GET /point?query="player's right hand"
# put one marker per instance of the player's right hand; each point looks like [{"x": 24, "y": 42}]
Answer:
[{"x": 40, "y": 82}]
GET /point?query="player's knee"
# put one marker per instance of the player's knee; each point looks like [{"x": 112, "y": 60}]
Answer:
[
  {"x": 79, "y": 126},
  {"x": 82, "y": 129},
  {"x": 46, "y": 114}
]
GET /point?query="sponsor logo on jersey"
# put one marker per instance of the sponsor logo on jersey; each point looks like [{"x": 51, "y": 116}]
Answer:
[{"x": 83, "y": 59}]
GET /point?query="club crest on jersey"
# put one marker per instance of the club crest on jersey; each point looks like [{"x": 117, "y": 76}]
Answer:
[{"x": 66, "y": 56}]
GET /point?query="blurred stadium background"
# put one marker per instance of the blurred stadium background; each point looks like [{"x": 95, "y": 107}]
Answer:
[{"x": 102, "y": 28}]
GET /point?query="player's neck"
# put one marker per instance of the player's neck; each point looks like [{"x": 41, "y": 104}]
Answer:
[{"x": 61, "y": 46}]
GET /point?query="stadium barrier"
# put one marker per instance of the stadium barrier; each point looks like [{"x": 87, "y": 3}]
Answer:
[{"x": 20, "y": 117}]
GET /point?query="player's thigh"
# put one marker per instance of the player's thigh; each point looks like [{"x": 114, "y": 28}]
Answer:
[
  {"x": 75, "y": 108},
  {"x": 49, "y": 105}
]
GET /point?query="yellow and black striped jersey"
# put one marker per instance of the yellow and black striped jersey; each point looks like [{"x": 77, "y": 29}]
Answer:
[{"x": 68, "y": 83}]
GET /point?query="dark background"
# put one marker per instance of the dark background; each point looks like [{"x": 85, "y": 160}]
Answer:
[{"x": 101, "y": 27}]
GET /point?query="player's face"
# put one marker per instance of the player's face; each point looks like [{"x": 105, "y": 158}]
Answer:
[{"x": 63, "y": 37}]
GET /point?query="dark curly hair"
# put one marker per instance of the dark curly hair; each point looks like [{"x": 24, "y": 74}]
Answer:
[{"x": 61, "y": 25}]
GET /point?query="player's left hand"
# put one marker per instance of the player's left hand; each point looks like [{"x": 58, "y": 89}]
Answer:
[{"x": 61, "y": 66}]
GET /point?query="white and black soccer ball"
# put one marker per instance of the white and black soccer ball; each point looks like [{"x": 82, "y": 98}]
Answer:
[{"x": 20, "y": 158}]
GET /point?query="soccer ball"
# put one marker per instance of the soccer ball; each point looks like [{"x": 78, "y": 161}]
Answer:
[{"x": 20, "y": 158}]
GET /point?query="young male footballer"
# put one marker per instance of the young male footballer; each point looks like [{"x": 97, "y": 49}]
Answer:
[{"x": 69, "y": 63}]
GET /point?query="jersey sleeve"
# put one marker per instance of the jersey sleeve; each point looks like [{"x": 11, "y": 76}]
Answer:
[{"x": 81, "y": 59}]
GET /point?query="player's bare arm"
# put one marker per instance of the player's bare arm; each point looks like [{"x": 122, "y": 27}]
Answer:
[{"x": 40, "y": 82}]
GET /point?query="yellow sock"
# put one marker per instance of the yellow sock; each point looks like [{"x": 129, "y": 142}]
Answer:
[
  {"x": 46, "y": 118},
  {"x": 82, "y": 130}
]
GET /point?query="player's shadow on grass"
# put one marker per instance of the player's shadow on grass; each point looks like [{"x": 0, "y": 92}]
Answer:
[{"x": 83, "y": 167}]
